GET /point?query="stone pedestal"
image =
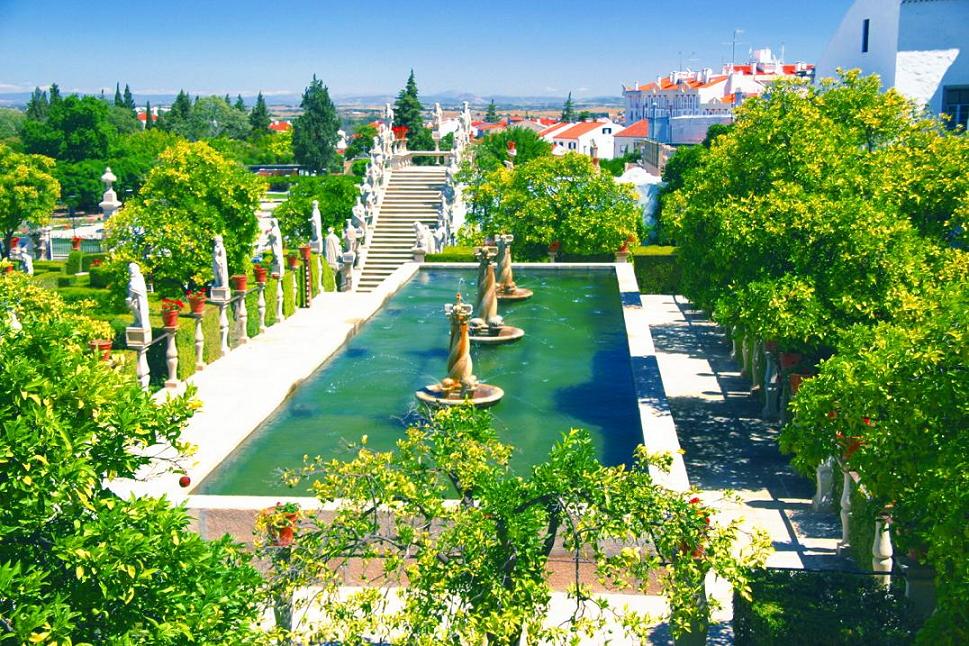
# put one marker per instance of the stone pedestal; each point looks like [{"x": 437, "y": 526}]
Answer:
[
  {"x": 824, "y": 494},
  {"x": 262, "y": 307},
  {"x": 171, "y": 358},
  {"x": 138, "y": 339},
  {"x": 199, "y": 344},
  {"x": 419, "y": 254}
]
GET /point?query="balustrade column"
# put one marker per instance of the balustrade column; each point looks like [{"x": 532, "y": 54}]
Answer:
[
  {"x": 824, "y": 494},
  {"x": 262, "y": 307},
  {"x": 141, "y": 368},
  {"x": 881, "y": 549},
  {"x": 279, "y": 299},
  {"x": 199, "y": 344},
  {"x": 845, "y": 543},
  {"x": 224, "y": 327},
  {"x": 242, "y": 317},
  {"x": 171, "y": 358}
]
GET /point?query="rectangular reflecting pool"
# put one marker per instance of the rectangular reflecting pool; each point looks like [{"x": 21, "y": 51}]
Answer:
[{"x": 571, "y": 370}]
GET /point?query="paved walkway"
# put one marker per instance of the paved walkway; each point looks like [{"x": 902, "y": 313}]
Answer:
[{"x": 728, "y": 445}]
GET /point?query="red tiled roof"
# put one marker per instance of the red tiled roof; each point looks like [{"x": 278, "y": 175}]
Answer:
[
  {"x": 555, "y": 126},
  {"x": 547, "y": 121},
  {"x": 638, "y": 129},
  {"x": 141, "y": 117},
  {"x": 280, "y": 126},
  {"x": 714, "y": 80},
  {"x": 578, "y": 130}
]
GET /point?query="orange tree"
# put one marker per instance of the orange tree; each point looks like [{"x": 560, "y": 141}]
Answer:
[
  {"x": 464, "y": 543},
  {"x": 894, "y": 403},
  {"x": 79, "y": 564}
]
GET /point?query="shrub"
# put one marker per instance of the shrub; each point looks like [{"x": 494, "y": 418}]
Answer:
[
  {"x": 453, "y": 254},
  {"x": 89, "y": 260},
  {"x": 800, "y": 607},
  {"x": 75, "y": 260},
  {"x": 657, "y": 269},
  {"x": 100, "y": 277}
]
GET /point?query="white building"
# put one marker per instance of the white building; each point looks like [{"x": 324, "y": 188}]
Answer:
[
  {"x": 913, "y": 45},
  {"x": 592, "y": 138},
  {"x": 691, "y": 93}
]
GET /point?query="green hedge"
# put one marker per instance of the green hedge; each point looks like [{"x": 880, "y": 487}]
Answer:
[
  {"x": 100, "y": 277},
  {"x": 89, "y": 258},
  {"x": 452, "y": 254},
  {"x": 657, "y": 270},
  {"x": 801, "y": 607},
  {"x": 75, "y": 259}
]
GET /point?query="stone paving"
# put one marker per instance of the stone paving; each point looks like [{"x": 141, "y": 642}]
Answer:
[{"x": 728, "y": 445}]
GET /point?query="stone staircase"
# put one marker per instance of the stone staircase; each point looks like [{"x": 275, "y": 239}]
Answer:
[{"x": 414, "y": 193}]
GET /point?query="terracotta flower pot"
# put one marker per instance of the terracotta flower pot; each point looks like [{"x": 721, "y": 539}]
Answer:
[
  {"x": 795, "y": 380},
  {"x": 260, "y": 274},
  {"x": 103, "y": 347},
  {"x": 305, "y": 251},
  {"x": 197, "y": 304},
  {"x": 170, "y": 318},
  {"x": 789, "y": 359},
  {"x": 239, "y": 282},
  {"x": 8, "y": 269},
  {"x": 75, "y": 244},
  {"x": 293, "y": 261},
  {"x": 284, "y": 536}
]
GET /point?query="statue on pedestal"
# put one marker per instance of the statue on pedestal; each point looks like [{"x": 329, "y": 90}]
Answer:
[
  {"x": 276, "y": 246},
  {"x": 332, "y": 250},
  {"x": 316, "y": 223},
  {"x": 359, "y": 218},
  {"x": 220, "y": 266},
  {"x": 137, "y": 300}
]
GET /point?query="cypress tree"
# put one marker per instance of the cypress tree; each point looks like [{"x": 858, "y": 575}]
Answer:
[
  {"x": 38, "y": 106},
  {"x": 491, "y": 116},
  {"x": 259, "y": 117},
  {"x": 228, "y": 100},
  {"x": 407, "y": 108},
  {"x": 149, "y": 124},
  {"x": 55, "y": 94},
  {"x": 129, "y": 100},
  {"x": 118, "y": 101},
  {"x": 240, "y": 104},
  {"x": 568, "y": 110},
  {"x": 315, "y": 131}
]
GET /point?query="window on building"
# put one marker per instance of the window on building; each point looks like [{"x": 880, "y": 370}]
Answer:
[
  {"x": 864, "y": 35},
  {"x": 955, "y": 103},
  {"x": 607, "y": 131}
]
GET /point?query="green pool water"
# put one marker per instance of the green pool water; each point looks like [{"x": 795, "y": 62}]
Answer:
[{"x": 571, "y": 370}]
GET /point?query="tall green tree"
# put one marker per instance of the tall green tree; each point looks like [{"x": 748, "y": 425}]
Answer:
[
  {"x": 177, "y": 117},
  {"x": 336, "y": 195},
  {"x": 491, "y": 116},
  {"x": 259, "y": 117},
  {"x": 149, "y": 117},
  {"x": 408, "y": 109},
  {"x": 10, "y": 123},
  {"x": 28, "y": 192},
  {"x": 118, "y": 100},
  {"x": 240, "y": 105},
  {"x": 568, "y": 110},
  {"x": 76, "y": 129},
  {"x": 315, "y": 130},
  {"x": 212, "y": 117},
  {"x": 38, "y": 105},
  {"x": 361, "y": 141},
  {"x": 79, "y": 564},
  {"x": 492, "y": 151},
  {"x": 55, "y": 94},
  {"x": 129, "y": 99}
]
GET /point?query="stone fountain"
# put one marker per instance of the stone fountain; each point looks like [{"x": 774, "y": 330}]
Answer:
[
  {"x": 488, "y": 327},
  {"x": 507, "y": 289},
  {"x": 460, "y": 385}
]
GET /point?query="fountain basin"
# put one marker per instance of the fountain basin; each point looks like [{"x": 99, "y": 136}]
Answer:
[
  {"x": 483, "y": 396},
  {"x": 518, "y": 294},
  {"x": 506, "y": 334}
]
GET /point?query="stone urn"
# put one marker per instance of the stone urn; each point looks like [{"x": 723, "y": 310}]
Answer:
[{"x": 239, "y": 282}]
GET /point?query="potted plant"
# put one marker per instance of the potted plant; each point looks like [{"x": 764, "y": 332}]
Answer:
[
  {"x": 622, "y": 255},
  {"x": 280, "y": 523},
  {"x": 170, "y": 309},
  {"x": 196, "y": 301},
  {"x": 101, "y": 347},
  {"x": 305, "y": 251},
  {"x": 553, "y": 250},
  {"x": 76, "y": 243},
  {"x": 260, "y": 273},
  {"x": 293, "y": 261},
  {"x": 239, "y": 282}
]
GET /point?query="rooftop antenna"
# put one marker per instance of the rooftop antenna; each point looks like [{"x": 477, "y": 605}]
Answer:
[
  {"x": 733, "y": 46},
  {"x": 692, "y": 57}
]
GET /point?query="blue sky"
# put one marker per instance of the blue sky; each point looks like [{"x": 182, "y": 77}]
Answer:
[{"x": 498, "y": 47}]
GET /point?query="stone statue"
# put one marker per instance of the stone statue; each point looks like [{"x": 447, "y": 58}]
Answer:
[
  {"x": 138, "y": 297},
  {"x": 332, "y": 250},
  {"x": 487, "y": 305},
  {"x": 506, "y": 281},
  {"x": 13, "y": 321},
  {"x": 390, "y": 115},
  {"x": 359, "y": 218},
  {"x": 440, "y": 239},
  {"x": 424, "y": 237},
  {"x": 26, "y": 261},
  {"x": 438, "y": 117},
  {"x": 459, "y": 366},
  {"x": 276, "y": 246},
  {"x": 316, "y": 223},
  {"x": 350, "y": 237},
  {"x": 220, "y": 266}
]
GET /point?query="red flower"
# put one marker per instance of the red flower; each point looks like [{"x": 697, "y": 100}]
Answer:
[
  {"x": 555, "y": 246},
  {"x": 832, "y": 414},
  {"x": 694, "y": 501}
]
